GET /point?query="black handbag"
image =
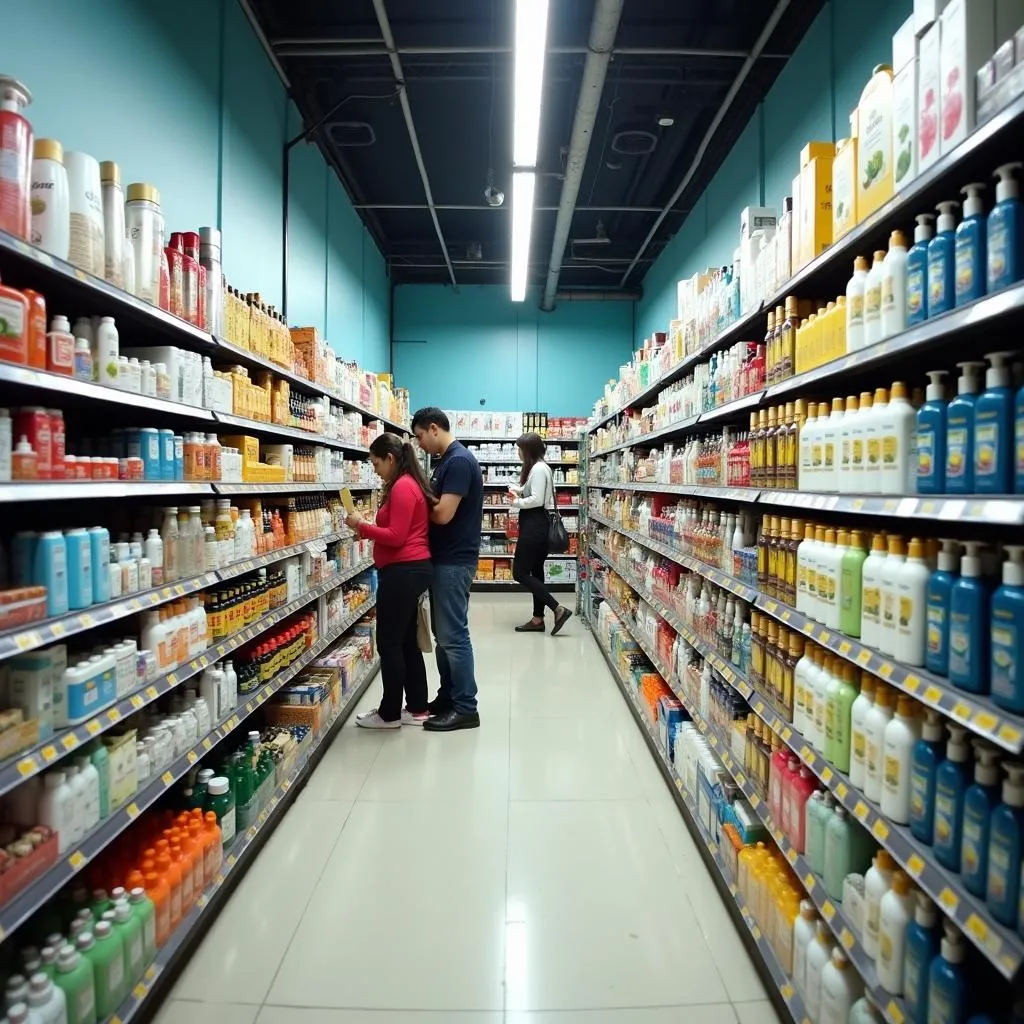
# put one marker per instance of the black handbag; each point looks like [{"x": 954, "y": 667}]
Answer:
[{"x": 558, "y": 536}]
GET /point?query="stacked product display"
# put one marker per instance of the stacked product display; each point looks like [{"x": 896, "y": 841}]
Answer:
[{"x": 801, "y": 522}]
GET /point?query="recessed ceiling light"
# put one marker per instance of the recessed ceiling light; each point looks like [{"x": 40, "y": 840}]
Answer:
[{"x": 666, "y": 122}]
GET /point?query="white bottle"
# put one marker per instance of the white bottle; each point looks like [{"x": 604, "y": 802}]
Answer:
[
  {"x": 828, "y": 480},
  {"x": 824, "y": 680},
  {"x": 55, "y": 807},
  {"x": 877, "y": 882},
  {"x": 894, "y": 286},
  {"x": 875, "y": 722},
  {"x": 805, "y": 564},
  {"x": 871, "y": 423},
  {"x": 897, "y": 757},
  {"x": 898, "y": 427},
  {"x": 105, "y": 353},
  {"x": 840, "y": 989},
  {"x": 47, "y": 1000},
  {"x": 896, "y": 912},
  {"x": 6, "y": 446},
  {"x": 153, "y": 637},
  {"x": 231, "y": 680},
  {"x": 912, "y": 615},
  {"x": 76, "y": 808},
  {"x": 844, "y": 472},
  {"x": 801, "y": 685},
  {"x": 805, "y": 449},
  {"x": 819, "y": 952},
  {"x": 210, "y": 692},
  {"x": 86, "y": 246},
  {"x": 871, "y": 593},
  {"x": 855, "y": 305},
  {"x": 113, "y": 223},
  {"x": 891, "y": 567},
  {"x": 804, "y": 929},
  {"x": 859, "y": 443},
  {"x": 833, "y": 571},
  {"x": 91, "y": 786},
  {"x": 51, "y": 212},
  {"x": 873, "y": 300}
]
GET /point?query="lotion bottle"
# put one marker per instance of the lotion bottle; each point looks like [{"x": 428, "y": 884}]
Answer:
[
  {"x": 877, "y": 882},
  {"x": 1004, "y": 855},
  {"x": 901, "y": 734},
  {"x": 931, "y": 437},
  {"x": 951, "y": 782},
  {"x": 872, "y": 422},
  {"x": 922, "y": 948},
  {"x": 938, "y": 596},
  {"x": 923, "y": 769},
  {"x": 851, "y": 584},
  {"x": 911, "y": 605},
  {"x": 1006, "y": 231},
  {"x": 980, "y": 801},
  {"x": 894, "y": 286},
  {"x": 895, "y": 915},
  {"x": 891, "y": 569},
  {"x": 994, "y": 454},
  {"x": 960, "y": 430},
  {"x": 898, "y": 427},
  {"x": 873, "y": 300},
  {"x": 917, "y": 269},
  {"x": 1007, "y": 634},
  {"x": 871, "y": 593},
  {"x": 855, "y": 305},
  {"x": 947, "y": 982},
  {"x": 858, "y": 737},
  {"x": 875, "y": 723},
  {"x": 969, "y": 246},
  {"x": 840, "y": 989},
  {"x": 968, "y": 625},
  {"x": 942, "y": 261}
]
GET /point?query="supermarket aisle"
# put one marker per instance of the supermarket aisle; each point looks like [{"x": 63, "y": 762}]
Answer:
[{"x": 536, "y": 864}]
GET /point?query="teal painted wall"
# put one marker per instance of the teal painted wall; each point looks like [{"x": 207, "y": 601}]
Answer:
[
  {"x": 181, "y": 95},
  {"x": 453, "y": 349},
  {"x": 810, "y": 100}
]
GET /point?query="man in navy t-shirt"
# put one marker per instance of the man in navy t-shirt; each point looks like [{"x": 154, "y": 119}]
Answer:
[{"x": 454, "y": 548}]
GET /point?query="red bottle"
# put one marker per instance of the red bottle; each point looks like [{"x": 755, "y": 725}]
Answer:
[
  {"x": 789, "y": 775},
  {"x": 776, "y": 776},
  {"x": 15, "y": 159},
  {"x": 799, "y": 793}
]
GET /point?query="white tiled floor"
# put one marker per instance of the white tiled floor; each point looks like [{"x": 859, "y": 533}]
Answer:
[{"x": 533, "y": 870}]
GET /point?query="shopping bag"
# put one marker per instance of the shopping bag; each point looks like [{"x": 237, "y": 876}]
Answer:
[
  {"x": 558, "y": 536},
  {"x": 423, "y": 635}
]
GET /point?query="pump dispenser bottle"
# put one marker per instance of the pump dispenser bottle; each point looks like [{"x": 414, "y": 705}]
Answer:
[
  {"x": 942, "y": 261},
  {"x": 960, "y": 430},
  {"x": 1007, "y": 634},
  {"x": 951, "y": 782},
  {"x": 1007, "y": 844},
  {"x": 923, "y": 768},
  {"x": 993, "y": 429},
  {"x": 922, "y": 948},
  {"x": 970, "y": 246},
  {"x": 931, "y": 437},
  {"x": 968, "y": 625},
  {"x": 1006, "y": 231},
  {"x": 939, "y": 593},
  {"x": 947, "y": 981},
  {"x": 873, "y": 300},
  {"x": 980, "y": 801},
  {"x": 917, "y": 269}
]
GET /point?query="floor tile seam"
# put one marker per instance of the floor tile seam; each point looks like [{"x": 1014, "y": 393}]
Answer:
[{"x": 508, "y": 856}]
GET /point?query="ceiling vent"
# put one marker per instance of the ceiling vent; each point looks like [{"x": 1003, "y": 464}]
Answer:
[
  {"x": 634, "y": 142},
  {"x": 351, "y": 134}
]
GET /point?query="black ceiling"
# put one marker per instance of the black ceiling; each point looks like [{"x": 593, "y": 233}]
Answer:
[{"x": 455, "y": 58}]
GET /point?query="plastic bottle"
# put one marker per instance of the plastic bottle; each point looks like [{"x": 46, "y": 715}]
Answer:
[
  {"x": 855, "y": 305},
  {"x": 819, "y": 952},
  {"x": 917, "y": 269},
  {"x": 804, "y": 929},
  {"x": 1005, "y": 848},
  {"x": 871, "y": 422},
  {"x": 1006, "y": 231},
  {"x": 994, "y": 457},
  {"x": 942, "y": 261},
  {"x": 221, "y": 802},
  {"x": 940, "y": 587},
  {"x": 47, "y": 1000},
  {"x": 969, "y": 661},
  {"x": 951, "y": 782},
  {"x": 894, "y": 286},
  {"x": 15, "y": 159},
  {"x": 841, "y": 713},
  {"x": 960, "y": 419},
  {"x": 129, "y": 930},
  {"x": 895, "y": 560},
  {"x": 895, "y": 915},
  {"x": 898, "y": 427},
  {"x": 931, "y": 437},
  {"x": 947, "y": 983},
  {"x": 877, "y": 882},
  {"x": 817, "y": 813},
  {"x": 106, "y": 352},
  {"x": 901, "y": 734},
  {"x": 922, "y": 946},
  {"x": 912, "y": 579},
  {"x": 980, "y": 800},
  {"x": 871, "y": 592},
  {"x": 858, "y": 737},
  {"x": 873, "y": 300},
  {"x": 55, "y": 808},
  {"x": 101, "y": 949},
  {"x": 924, "y": 765},
  {"x": 839, "y": 851},
  {"x": 1007, "y": 634},
  {"x": 74, "y": 977},
  {"x": 851, "y": 585},
  {"x": 969, "y": 246},
  {"x": 51, "y": 212},
  {"x": 840, "y": 989},
  {"x": 101, "y": 762},
  {"x": 828, "y": 476}
]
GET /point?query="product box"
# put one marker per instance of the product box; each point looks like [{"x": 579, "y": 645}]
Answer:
[
  {"x": 928, "y": 97},
  {"x": 874, "y": 143},
  {"x": 815, "y": 209},
  {"x": 904, "y": 105},
  {"x": 29, "y": 683},
  {"x": 926, "y": 13},
  {"x": 844, "y": 188},
  {"x": 813, "y": 150},
  {"x": 122, "y": 766},
  {"x": 796, "y": 243},
  {"x": 754, "y": 218},
  {"x": 967, "y": 41}
]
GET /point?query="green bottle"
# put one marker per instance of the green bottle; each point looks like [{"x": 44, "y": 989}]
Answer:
[
  {"x": 101, "y": 949},
  {"x": 842, "y": 712},
  {"x": 129, "y": 927},
  {"x": 835, "y": 680},
  {"x": 838, "y": 852},
  {"x": 100, "y": 904},
  {"x": 48, "y": 961},
  {"x": 851, "y": 574},
  {"x": 101, "y": 762},
  {"x": 222, "y": 803},
  {"x": 199, "y": 788},
  {"x": 74, "y": 977},
  {"x": 145, "y": 913},
  {"x": 246, "y": 794}
]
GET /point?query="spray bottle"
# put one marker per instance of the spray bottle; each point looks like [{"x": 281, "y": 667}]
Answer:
[
  {"x": 993, "y": 429},
  {"x": 917, "y": 269},
  {"x": 980, "y": 801},
  {"x": 1004, "y": 855},
  {"x": 970, "y": 246},
  {"x": 1006, "y": 231},
  {"x": 942, "y": 261},
  {"x": 960, "y": 430},
  {"x": 931, "y": 437},
  {"x": 968, "y": 624},
  {"x": 1008, "y": 633},
  {"x": 15, "y": 159}
]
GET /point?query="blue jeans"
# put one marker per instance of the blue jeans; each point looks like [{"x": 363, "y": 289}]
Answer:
[{"x": 449, "y": 613}]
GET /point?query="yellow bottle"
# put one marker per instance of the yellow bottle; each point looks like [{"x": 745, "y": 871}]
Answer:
[{"x": 840, "y": 335}]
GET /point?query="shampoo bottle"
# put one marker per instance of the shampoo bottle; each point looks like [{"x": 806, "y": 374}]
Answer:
[
  {"x": 922, "y": 948},
  {"x": 931, "y": 437},
  {"x": 924, "y": 765},
  {"x": 875, "y": 723},
  {"x": 940, "y": 589},
  {"x": 877, "y": 882},
  {"x": 960, "y": 430},
  {"x": 858, "y": 737},
  {"x": 851, "y": 585},
  {"x": 873, "y": 300},
  {"x": 917, "y": 269},
  {"x": 1006, "y": 231},
  {"x": 1004, "y": 855},
  {"x": 911, "y": 613},
  {"x": 899, "y": 435},
  {"x": 947, "y": 983},
  {"x": 894, "y": 286},
  {"x": 993, "y": 429},
  {"x": 951, "y": 782},
  {"x": 980, "y": 800},
  {"x": 942, "y": 261},
  {"x": 968, "y": 625},
  {"x": 1007, "y": 634},
  {"x": 970, "y": 246},
  {"x": 841, "y": 987},
  {"x": 896, "y": 913},
  {"x": 901, "y": 734},
  {"x": 855, "y": 305}
]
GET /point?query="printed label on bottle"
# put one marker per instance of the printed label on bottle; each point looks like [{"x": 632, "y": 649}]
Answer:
[
  {"x": 986, "y": 443},
  {"x": 890, "y": 449},
  {"x": 998, "y": 872},
  {"x": 888, "y": 295},
  {"x": 830, "y": 455},
  {"x": 918, "y": 789},
  {"x": 964, "y": 272},
  {"x": 844, "y": 453},
  {"x": 12, "y": 322},
  {"x": 937, "y": 283},
  {"x": 859, "y": 744},
  {"x": 997, "y": 247},
  {"x": 871, "y": 605},
  {"x": 857, "y": 447},
  {"x": 872, "y": 762},
  {"x": 1020, "y": 446},
  {"x": 874, "y": 451},
  {"x": 227, "y": 827},
  {"x": 959, "y": 644},
  {"x": 86, "y": 1003},
  {"x": 944, "y": 805},
  {"x": 936, "y": 627},
  {"x": 115, "y": 975},
  {"x": 873, "y": 303},
  {"x": 925, "y": 453},
  {"x": 1004, "y": 673},
  {"x": 906, "y": 613},
  {"x": 874, "y": 909},
  {"x": 817, "y": 456},
  {"x": 885, "y": 949},
  {"x": 970, "y": 850},
  {"x": 855, "y": 310},
  {"x": 892, "y": 773},
  {"x": 888, "y": 609},
  {"x": 957, "y": 452},
  {"x": 915, "y": 291}
]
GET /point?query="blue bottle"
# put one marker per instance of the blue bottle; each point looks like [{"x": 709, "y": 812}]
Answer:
[
  {"x": 980, "y": 800},
  {"x": 1004, "y": 854},
  {"x": 166, "y": 454},
  {"x": 951, "y": 782},
  {"x": 1007, "y": 634},
  {"x": 937, "y": 597},
  {"x": 1006, "y": 232},
  {"x": 994, "y": 455},
  {"x": 968, "y": 625},
  {"x": 922, "y": 947},
  {"x": 924, "y": 764},
  {"x": 971, "y": 236},
  {"x": 960, "y": 430},
  {"x": 79, "y": 554},
  {"x": 99, "y": 543},
  {"x": 942, "y": 262},
  {"x": 917, "y": 269},
  {"x": 947, "y": 983},
  {"x": 1018, "y": 442},
  {"x": 51, "y": 571},
  {"x": 931, "y": 437}
]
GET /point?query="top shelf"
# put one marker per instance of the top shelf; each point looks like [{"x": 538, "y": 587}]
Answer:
[
  {"x": 973, "y": 160},
  {"x": 81, "y": 294}
]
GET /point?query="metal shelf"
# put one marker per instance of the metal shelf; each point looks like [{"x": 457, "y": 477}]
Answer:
[
  {"x": 292, "y": 433},
  {"x": 290, "y": 487},
  {"x": 74, "y": 490},
  {"x": 17, "y": 910}
]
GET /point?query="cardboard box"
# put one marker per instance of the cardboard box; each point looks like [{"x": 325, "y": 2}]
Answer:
[
  {"x": 844, "y": 188},
  {"x": 904, "y": 105},
  {"x": 815, "y": 208},
  {"x": 798, "y": 230},
  {"x": 967, "y": 41},
  {"x": 813, "y": 150},
  {"x": 754, "y": 218},
  {"x": 122, "y": 766},
  {"x": 926, "y": 12},
  {"x": 929, "y": 108},
  {"x": 874, "y": 144}
]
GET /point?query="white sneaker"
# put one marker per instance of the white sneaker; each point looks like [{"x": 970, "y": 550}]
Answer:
[
  {"x": 412, "y": 718},
  {"x": 372, "y": 720}
]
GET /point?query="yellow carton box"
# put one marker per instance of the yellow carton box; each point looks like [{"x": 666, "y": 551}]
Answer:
[
  {"x": 796, "y": 245},
  {"x": 815, "y": 208},
  {"x": 844, "y": 188},
  {"x": 814, "y": 150},
  {"x": 248, "y": 445}
]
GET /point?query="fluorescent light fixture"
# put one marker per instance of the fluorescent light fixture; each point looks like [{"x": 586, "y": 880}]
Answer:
[
  {"x": 531, "y": 42},
  {"x": 523, "y": 184}
]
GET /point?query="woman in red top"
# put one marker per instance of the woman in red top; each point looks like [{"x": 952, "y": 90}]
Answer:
[{"x": 404, "y": 571}]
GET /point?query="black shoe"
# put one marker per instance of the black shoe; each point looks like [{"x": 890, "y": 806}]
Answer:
[
  {"x": 530, "y": 627},
  {"x": 439, "y": 706},
  {"x": 562, "y": 616},
  {"x": 451, "y": 720}
]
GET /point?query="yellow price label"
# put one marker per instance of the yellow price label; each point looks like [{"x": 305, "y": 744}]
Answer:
[
  {"x": 977, "y": 928},
  {"x": 863, "y": 656},
  {"x": 137, "y": 701},
  {"x": 791, "y": 855},
  {"x": 140, "y": 991},
  {"x": 828, "y": 911},
  {"x": 756, "y": 932},
  {"x": 27, "y": 766},
  {"x": 167, "y": 778},
  {"x": 49, "y": 753},
  {"x": 787, "y": 991},
  {"x": 69, "y": 742},
  {"x": 985, "y": 721},
  {"x": 911, "y": 682},
  {"x": 880, "y": 830},
  {"x": 76, "y": 860},
  {"x": 895, "y": 1013},
  {"x": 932, "y": 694},
  {"x": 915, "y": 864},
  {"x": 192, "y": 757},
  {"x": 151, "y": 692},
  {"x": 845, "y": 647},
  {"x": 92, "y": 727},
  {"x": 841, "y": 791},
  {"x": 961, "y": 711},
  {"x": 860, "y": 811},
  {"x": 846, "y": 938},
  {"x": 826, "y": 775},
  {"x": 206, "y": 743},
  {"x": 949, "y": 899},
  {"x": 114, "y": 715},
  {"x": 809, "y": 882},
  {"x": 132, "y": 810},
  {"x": 885, "y": 670}
]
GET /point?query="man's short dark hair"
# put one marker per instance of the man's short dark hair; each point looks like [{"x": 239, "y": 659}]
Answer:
[{"x": 426, "y": 417}]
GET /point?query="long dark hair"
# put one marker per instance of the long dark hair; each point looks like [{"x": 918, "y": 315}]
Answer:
[
  {"x": 405, "y": 463},
  {"x": 532, "y": 446}
]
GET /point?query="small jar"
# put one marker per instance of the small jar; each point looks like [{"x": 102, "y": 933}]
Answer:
[{"x": 24, "y": 461}]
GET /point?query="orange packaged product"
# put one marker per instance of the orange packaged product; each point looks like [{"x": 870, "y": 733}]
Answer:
[
  {"x": 184, "y": 863},
  {"x": 199, "y": 840},
  {"x": 171, "y": 872},
  {"x": 15, "y": 316},
  {"x": 159, "y": 892},
  {"x": 36, "y": 337},
  {"x": 215, "y": 850}
]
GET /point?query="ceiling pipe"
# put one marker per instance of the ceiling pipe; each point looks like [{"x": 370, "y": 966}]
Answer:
[
  {"x": 766, "y": 33},
  {"x": 403, "y": 98},
  {"x": 603, "y": 29},
  {"x": 358, "y": 48}
]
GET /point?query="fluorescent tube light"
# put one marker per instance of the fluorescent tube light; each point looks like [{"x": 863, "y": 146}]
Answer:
[
  {"x": 531, "y": 42},
  {"x": 523, "y": 184}
]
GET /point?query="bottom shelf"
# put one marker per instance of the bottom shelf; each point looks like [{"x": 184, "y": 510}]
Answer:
[
  {"x": 780, "y": 988},
  {"x": 511, "y": 587},
  {"x": 237, "y": 860}
]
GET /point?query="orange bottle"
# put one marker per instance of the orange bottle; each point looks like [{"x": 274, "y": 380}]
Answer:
[
  {"x": 200, "y": 841},
  {"x": 38, "y": 344},
  {"x": 172, "y": 874},
  {"x": 194, "y": 852},
  {"x": 135, "y": 879},
  {"x": 15, "y": 320},
  {"x": 159, "y": 892},
  {"x": 185, "y": 866},
  {"x": 215, "y": 851}
]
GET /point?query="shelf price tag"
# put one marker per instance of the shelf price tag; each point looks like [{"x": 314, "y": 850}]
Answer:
[
  {"x": 880, "y": 830},
  {"x": 860, "y": 811},
  {"x": 92, "y": 727},
  {"x": 846, "y": 938},
  {"x": 27, "y": 765},
  {"x": 76, "y": 860},
  {"x": 167, "y": 778},
  {"x": 49, "y": 753},
  {"x": 69, "y": 742},
  {"x": 915, "y": 864},
  {"x": 828, "y": 911},
  {"x": 949, "y": 899}
]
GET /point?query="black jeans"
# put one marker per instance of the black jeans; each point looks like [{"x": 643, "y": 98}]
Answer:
[
  {"x": 399, "y": 587},
  {"x": 528, "y": 564}
]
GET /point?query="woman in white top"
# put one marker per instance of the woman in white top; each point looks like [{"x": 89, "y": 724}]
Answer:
[{"x": 534, "y": 496}]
